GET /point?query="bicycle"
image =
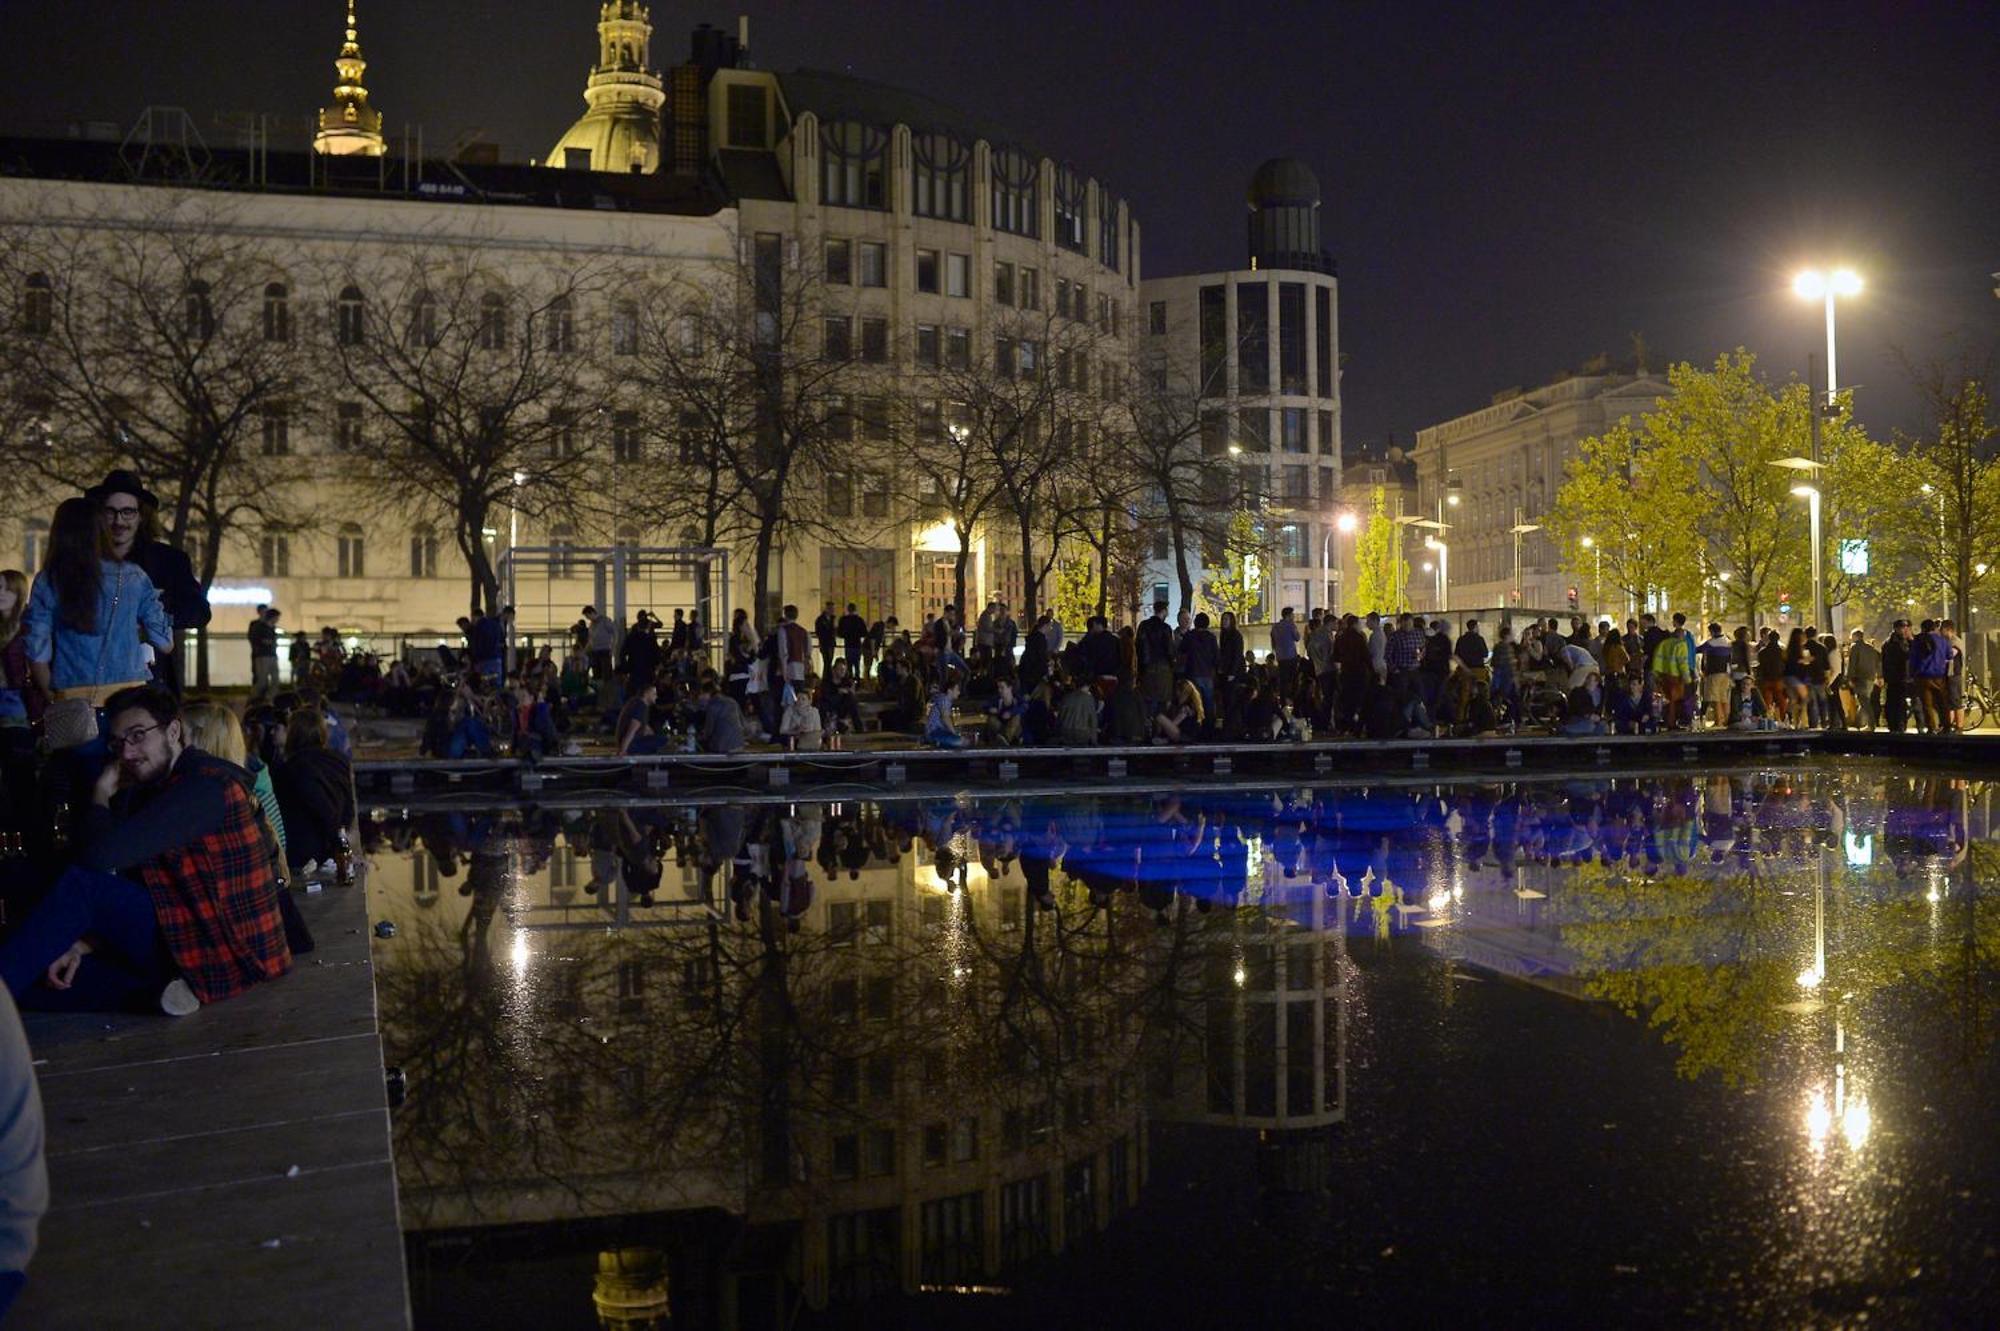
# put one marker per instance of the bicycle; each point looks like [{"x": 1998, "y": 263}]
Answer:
[{"x": 1977, "y": 704}]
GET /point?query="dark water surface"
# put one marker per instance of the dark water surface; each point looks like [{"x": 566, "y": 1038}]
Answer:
[{"x": 1713, "y": 1048}]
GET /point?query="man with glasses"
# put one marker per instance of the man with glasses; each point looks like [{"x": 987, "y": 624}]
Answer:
[
  {"x": 129, "y": 512},
  {"x": 173, "y": 900}
]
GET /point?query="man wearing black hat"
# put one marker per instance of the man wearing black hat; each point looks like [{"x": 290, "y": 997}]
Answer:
[{"x": 130, "y": 514}]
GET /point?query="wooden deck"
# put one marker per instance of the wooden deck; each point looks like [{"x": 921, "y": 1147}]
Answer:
[{"x": 229, "y": 1169}]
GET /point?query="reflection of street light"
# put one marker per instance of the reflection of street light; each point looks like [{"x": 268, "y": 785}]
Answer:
[{"x": 1811, "y": 285}]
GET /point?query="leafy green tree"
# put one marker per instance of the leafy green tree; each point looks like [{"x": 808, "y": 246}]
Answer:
[
  {"x": 1943, "y": 528},
  {"x": 1239, "y": 590},
  {"x": 1377, "y": 553}
]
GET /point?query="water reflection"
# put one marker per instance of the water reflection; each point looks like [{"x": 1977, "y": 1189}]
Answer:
[{"x": 758, "y": 1055}]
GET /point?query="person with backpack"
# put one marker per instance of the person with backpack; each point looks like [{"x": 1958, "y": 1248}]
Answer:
[{"x": 1930, "y": 668}]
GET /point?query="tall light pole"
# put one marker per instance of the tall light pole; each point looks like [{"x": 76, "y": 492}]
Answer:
[
  {"x": 1944, "y": 595},
  {"x": 1815, "y": 285},
  {"x": 1344, "y": 524},
  {"x": 1808, "y": 490},
  {"x": 1520, "y": 529},
  {"x": 1597, "y": 585}
]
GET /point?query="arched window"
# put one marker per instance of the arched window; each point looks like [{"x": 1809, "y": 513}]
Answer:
[
  {"x": 1016, "y": 193},
  {"x": 941, "y": 167},
  {"x": 424, "y": 552},
  {"x": 561, "y": 326},
  {"x": 277, "y": 312},
  {"x": 423, "y": 320},
  {"x": 1072, "y": 197},
  {"x": 492, "y": 322},
  {"x": 854, "y": 165},
  {"x": 38, "y": 306},
  {"x": 353, "y": 551},
  {"x": 197, "y": 311},
  {"x": 35, "y": 545},
  {"x": 350, "y": 319}
]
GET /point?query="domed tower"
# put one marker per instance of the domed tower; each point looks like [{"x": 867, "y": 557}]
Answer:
[
  {"x": 350, "y": 127},
  {"x": 621, "y": 130},
  {"x": 1284, "y": 218}
]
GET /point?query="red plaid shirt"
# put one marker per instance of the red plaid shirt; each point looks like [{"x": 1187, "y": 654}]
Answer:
[{"x": 216, "y": 898}]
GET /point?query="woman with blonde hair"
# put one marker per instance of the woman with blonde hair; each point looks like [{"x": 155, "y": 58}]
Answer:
[
  {"x": 21, "y": 701},
  {"x": 214, "y": 729}
]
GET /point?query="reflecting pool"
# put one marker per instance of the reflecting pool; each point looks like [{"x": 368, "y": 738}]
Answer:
[{"x": 1716, "y": 1047}]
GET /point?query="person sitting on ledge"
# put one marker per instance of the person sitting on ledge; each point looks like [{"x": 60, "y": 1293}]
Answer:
[
  {"x": 1077, "y": 717},
  {"x": 173, "y": 901},
  {"x": 939, "y": 732},
  {"x": 719, "y": 719}
]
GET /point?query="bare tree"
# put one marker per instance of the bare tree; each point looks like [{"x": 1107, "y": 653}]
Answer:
[
  {"x": 467, "y": 388},
  {"x": 167, "y": 341},
  {"x": 1175, "y": 448}
]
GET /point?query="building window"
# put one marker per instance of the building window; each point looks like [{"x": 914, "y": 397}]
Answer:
[
  {"x": 875, "y": 419},
  {"x": 1253, "y": 337},
  {"x": 929, "y": 415},
  {"x": 626, "y": 442},
  {"x": 1062, "y": 296},
  {"x": 276, "y": 423},
  {"x": 277, "y": 312},
  {"x": 1005, "y": 362},
  {"x": 958, "y": 274},
  {"x": 1328, "y": 482},
  {"x": 1031, "y": 358},
  {"x": 840, "y": 504},
  {"x": 941, "y": 168},
  {"x": 1323, "y": 330},
  {"x": 691, "y": 437},
  {"x": 347, "y": 427},
  {"x": 875, "y": 494},
  {"x": 927, "y": 271},
  {"x": 1295, "y": 480},
  {"x": 563, "y": 438},
  {"x": 1156, "y": 318},
  {"x": 624, "y": 329},
  {"x": 1107, "y": 228},
  {"x": 197, "y": 312},
  {"x": 1292, "y": 337},
  {"x": 353, "y": 552},
  {"x": 423, "y": 553},
  {"x": 492, "y": 322},
  {"x": 38, "y": 306},
  {"x": 350, "y": 318},
  {"x": 1292, "y": 429},
  {"x": 874, "y": 264},
  {"x": 1214, "y": 433},
  {"x": 927, "y": 346},
  {"x": 1326, "y": 442},
  {"x": 1072, "y": 197},
  {"x": 423, "y": 319},
  {"x": 274, "y": 555},
  {"x": 1031, "y": 288},
  {"x": 1003, "y": 282},
  {"x": 839, "y": 417},
  {"x": 875, "y": 341},
  {"x": 840, "y": 262},
  {"x": 1016, "y": 193},
  {"x": 747, "y": 116},
  {"x": 1214, "y": 341},
  {"x": 958, "y": 348},
  {"x": 35, "y": 545},
  {"x": 1253, "y": 429},
  {"x": 562, "y": 326},
  {"x": 854, "y": 161},
  {"x": 839, "y": 338}
]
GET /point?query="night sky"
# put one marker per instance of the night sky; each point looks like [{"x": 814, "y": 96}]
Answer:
[{"x": 1509, "y": 189}]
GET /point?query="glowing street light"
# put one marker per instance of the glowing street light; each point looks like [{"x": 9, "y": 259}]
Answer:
[
  {"x": 1344, "y": 523},
  {"x": 1814, "y": 285}
]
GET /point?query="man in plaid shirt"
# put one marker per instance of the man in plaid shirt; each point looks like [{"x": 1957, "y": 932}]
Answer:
[
  {"x": 173, "y": 900},
  {"x": 1406, "y": 646}
]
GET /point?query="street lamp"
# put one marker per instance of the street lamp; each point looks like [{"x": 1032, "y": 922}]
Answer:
[
  {"x": 1809, "y": 492},
  {"x": 1430, "y": 541},
  {"x": 1520, "y": 529},
  {"x": 1344, "y": 524},
  {"x": 1814, "y": 285},
  {"x": 1944, "y": 592},
  {"x": 1443, "y": 566},
  {"x": 1597, "y": 585}
]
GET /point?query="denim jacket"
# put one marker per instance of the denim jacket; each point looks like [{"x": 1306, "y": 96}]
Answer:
[{"x": 127, "y": 606}]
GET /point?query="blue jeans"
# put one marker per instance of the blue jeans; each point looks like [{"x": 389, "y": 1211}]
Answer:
[
  {"x": 470, "y": 733},
  {"x": 944, "y": 739},
  {"x": 130, "y": 965}
]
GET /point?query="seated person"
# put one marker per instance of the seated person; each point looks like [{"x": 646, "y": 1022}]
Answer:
[
  {"x": 636, "y": 736},
  {"x": 1586, "y": 707},
  {"x": 799, "y": 724},
  {"x": 1746, "y": 707},
  {"x": 1076, "y": 715},
  {"x": 1182, "y": 719},
  {"x": 719, "y": 719},
  {"x": 1007, "y": 709},
  {"x": 315, "y": 789},
  {"x": 535, "y": 733},
  {"x": 1038, "y": 719},
  {"x": 1631, "y": 711},
  {"x": 1261, "y": 716},
  {"x": 839, "y": 708},
  {"x": 1125, "y": 714},
  {"x": 173, "y": 901},
  {"x": 939, "y": 732}
]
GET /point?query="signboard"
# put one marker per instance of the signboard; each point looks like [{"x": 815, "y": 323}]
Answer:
[{"x": 1854, "y": 558}]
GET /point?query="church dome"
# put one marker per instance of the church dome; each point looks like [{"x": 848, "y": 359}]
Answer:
[
  {"x": 1284, "y": 181},
  {"x": 621, "y": 130}
]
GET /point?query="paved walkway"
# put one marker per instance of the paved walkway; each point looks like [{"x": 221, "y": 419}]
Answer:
[{"x": 229, "y": 1169}]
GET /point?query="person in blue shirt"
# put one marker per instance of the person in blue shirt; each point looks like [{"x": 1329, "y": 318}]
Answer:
[
  {"x": 939, "y": 732},
  {"x": 90, "y": 617}
]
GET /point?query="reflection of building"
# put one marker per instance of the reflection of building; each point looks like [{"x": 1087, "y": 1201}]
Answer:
[
  {"x": 1257, "y": 353},
  {"x": 1508, "y": 458}
]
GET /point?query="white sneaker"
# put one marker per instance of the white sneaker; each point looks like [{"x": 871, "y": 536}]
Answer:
[{"x": 178, "y": 1000}]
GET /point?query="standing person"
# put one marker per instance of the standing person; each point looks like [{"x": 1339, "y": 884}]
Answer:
[
  {"x": 853, "y": 633},
  {"x": 173, "y": 901},
  {"x": 87, "y": 613},
  {"x": 677, "y": 641},
  {"x": 1378, "y": 646},
  {"x": 1229, "y": 650},
  {"x": 639, "y": 658},
  {"x": 1954, "y": 679},
  {"x": 1930, "y": 669},
  {"x": 603, "y": 641},
  {"x": 1200, "y": 658},
  {"x": 1506, "y": 659},
  {"x": 21, "y": 699},
  {"x": 486, "y": 645},
  {"x": 1672, "y": 667},
  {"x": 1154, "y": 647},
  {"x": 1770, "y": 674},
  {"x": 827, "y": 629},
  {"x": 1034, "y": 658},
  {"x": 1714, "y": 656},
  {"x": 1864, "y": 673},
  {"x": 263, "y": 636},
  {"x": 302, "y": 659},
  {"x": 1006, "y": 635},
  {"x": 131, "y": 517},
  {"x": 1285, "y": 646},
  {"x": 1319, "y": 651},
  {"x": 1896, "y": 677}
]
